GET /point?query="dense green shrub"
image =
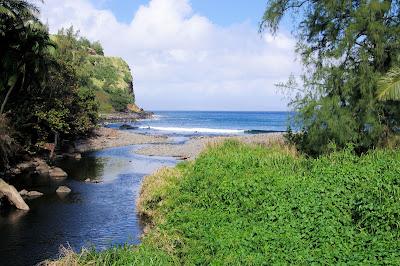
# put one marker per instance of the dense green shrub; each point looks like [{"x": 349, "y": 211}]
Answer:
[
  {"x": 119, "y": 101},
  {"x": 238, "y": 204},
  {"x": 245, "y": 205}
]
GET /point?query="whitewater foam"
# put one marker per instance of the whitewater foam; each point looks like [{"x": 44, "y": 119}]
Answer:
[{"x": 196, "y": 130}]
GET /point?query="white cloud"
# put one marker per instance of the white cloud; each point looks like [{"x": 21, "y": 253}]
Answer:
[{"x": 181, "y": 60}]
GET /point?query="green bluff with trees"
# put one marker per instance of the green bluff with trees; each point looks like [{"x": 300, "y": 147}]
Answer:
[{"x": 52, "y": 86}]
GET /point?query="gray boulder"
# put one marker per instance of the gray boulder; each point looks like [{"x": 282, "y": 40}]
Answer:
[{"x": 63, "y": 190}]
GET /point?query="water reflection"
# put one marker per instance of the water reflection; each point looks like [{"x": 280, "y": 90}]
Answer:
[{"x": 100, "y": 214}]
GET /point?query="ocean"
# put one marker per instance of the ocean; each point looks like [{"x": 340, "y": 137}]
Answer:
[{"x": 188, "y": 123}]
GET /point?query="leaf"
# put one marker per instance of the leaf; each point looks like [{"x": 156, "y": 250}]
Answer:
[
  {"x": 389, "y": 85},
  {"x": 12, "y": 80}
]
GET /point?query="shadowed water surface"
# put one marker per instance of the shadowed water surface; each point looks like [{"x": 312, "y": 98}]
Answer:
[{"x": 100, "y": 214}]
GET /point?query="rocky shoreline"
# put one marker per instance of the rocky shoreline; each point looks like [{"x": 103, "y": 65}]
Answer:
[
  {"x": 35, "y": 166},
  {"x": 108, "y": 138},
  {"x": 124, "y": 117},
  {"x": 193, "y": 147}
]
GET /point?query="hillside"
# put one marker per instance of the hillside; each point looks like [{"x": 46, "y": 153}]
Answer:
[
  {"x": 112, "y": 80},
  {"x": 109, "y": 77}
]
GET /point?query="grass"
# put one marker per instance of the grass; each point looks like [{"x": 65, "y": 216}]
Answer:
[{"x": 250, "y": 205}]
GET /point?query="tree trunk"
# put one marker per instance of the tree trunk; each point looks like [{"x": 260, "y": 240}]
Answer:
[
  {"x": 3, "y": 105},
  {"x": 6, "y": 99}
]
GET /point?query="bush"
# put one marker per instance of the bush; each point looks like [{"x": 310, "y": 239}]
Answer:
[
  {"x": 119, "y": 101},
  {"x": 242, "y": 205}
]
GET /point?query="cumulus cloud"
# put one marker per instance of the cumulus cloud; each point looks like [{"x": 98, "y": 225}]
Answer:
[{"x": 182, "y": 60}]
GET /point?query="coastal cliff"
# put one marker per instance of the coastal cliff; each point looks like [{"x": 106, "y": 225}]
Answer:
[
  {"x": 110, "y": 78},
  {"x": 113, "y": 82}
]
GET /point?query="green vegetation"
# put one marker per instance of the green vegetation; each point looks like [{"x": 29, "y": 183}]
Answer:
[
  {"x": 109, "y": 77},
  {"x": 251, "y": 205},
  {"x": 389, "y": 86},
  {"x": 346, "y": 47},
  {"x": 52, "y": 87}
]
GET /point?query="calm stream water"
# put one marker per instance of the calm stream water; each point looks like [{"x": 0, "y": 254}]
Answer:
[{"x": 98, "y": 215}]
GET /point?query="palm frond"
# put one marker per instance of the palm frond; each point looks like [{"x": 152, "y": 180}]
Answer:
[{"x": 389, "y": 85}]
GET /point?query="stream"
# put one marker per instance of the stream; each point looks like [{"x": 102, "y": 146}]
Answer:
[{"x": 96, "y": 215}]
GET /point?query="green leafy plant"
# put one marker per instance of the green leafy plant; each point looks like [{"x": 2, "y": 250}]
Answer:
[
  {"x": 389, "y": 85},
  {"x": 250, "y": 205}
]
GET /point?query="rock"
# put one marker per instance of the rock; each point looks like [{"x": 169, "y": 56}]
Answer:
[
  {"x": 57, "y": 173},
  {"x": 42, "y": 168},
  {"x": 134, "y": 108},
  {"x": 63, "y": 189},
  {"x": 12, "y": 195},
  {"x": 88, "y": 180},
  {"x": 126, "y": 126},
  {"x": 34, "y": 194},
  {"x": 75, "y": 155},
  {"x": 30, "y": 194},
  {"x": 23, "y": 192},
  {"x": 15, "y": 171},
  {"x": 25, "y": 166}
]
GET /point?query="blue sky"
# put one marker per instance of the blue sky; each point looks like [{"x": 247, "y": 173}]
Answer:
[
  {"x": 188, "y": 54},
  {"x": 221, "y": 12}
]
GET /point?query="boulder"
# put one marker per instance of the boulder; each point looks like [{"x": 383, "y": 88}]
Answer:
[
  {"x": 42, "y": 168},
  {"x": 15, "y": 171},
  {"x": 87, "y": 180},
  {"x": 75, "y": 155},
  {"x": 23, "y": 192},
  {"x": 25, "y": 166},
  {"x": 63, "y": 189},
  {"x": 30, "y": 194},
  {"x": 34, "y": 194},
  {"x": 12, "y": 195},
  {"x": 126, "y": 126},
  {"x": 57, "y": 173}
]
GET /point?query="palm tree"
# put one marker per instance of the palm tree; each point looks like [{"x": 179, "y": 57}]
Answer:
[
  {"x": 24, "y": 42},
  {"x": 389, "y": 86}
]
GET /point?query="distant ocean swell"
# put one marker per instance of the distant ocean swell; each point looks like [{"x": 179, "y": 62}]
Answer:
[{"x": 208, "y": 130}]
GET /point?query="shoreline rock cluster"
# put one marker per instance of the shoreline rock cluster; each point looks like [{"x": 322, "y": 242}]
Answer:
[
  {"x": 107, "y": 138},
  {"x": 124, "y": 116},
  {"x": 40, "y": 167},
  {"x": 193, "y": 147}
]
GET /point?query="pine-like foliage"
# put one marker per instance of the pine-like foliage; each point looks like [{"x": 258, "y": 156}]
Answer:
[{"x": 346, "y": 47}]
